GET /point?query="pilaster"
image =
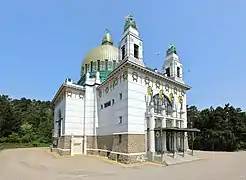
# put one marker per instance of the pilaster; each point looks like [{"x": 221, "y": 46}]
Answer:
[{"x": 151, "y": 133}]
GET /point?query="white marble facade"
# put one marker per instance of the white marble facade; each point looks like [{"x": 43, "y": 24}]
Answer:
[{"x": 133, "y": 99}]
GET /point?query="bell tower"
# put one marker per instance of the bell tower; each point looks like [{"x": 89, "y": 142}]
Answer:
[
  {"x": 172, "y": 66},
  {"x": 131, "y": 46}
]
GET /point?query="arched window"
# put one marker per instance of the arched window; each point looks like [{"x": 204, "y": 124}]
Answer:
[
  {"x": 158, "y": 102},
  {"x": 91, "y": 67},
  {"x": 86, "y": 68}
]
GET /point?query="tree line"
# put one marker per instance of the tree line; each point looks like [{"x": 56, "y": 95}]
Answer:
[
  {"x": 31, "y": 122},
  {"x": 25, "y": 121},
  {"x": 222, "y": 128}
]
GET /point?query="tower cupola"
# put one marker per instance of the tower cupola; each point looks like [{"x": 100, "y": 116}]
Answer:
[{"x": 172, "y": 66}]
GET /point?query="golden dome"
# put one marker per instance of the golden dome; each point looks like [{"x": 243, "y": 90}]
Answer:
[{"x": 106, "y": 51}]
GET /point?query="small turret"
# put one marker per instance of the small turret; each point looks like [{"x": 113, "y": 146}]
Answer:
[
  {"x": 107, "y": 39},
  {"x": 172, "y": 66},
  {"x": 131, "y": 46}
]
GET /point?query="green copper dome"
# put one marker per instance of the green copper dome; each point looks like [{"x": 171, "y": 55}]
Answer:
[
  {"x": 130, "y": 22},
  {"x": 103, "y": 58}
]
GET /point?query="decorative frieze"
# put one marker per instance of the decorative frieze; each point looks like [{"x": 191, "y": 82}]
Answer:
[
  {"x": 146, "y": 80},
  {"x": 157, "y": 84},
  {"x": 135, "y": 76},
  {"x": 175, "y": 90},
  {"x": 81, "y": 96},
  {"x": 125, "y": 75},
  {"x": 167, "y": 87},
  {"x": 69, "y": 94}
]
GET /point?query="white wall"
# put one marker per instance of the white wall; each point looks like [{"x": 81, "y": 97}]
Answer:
[
  {"x": 137, "y": 94},
  {"x": 59, "y": 106},
  {"x": 89, "y": 109},
  {"x": 74, "y": 116},
  {"x": 109, "y": 116}
]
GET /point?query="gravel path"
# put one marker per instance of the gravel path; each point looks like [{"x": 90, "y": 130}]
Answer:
[{"x": 38, "y": 164}]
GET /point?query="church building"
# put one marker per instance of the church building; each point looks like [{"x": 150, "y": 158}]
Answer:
[{"x": 120, "y": 108}]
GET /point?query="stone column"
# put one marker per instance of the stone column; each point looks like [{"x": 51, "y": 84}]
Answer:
[
  {"x": 178, "y": 136},
  {"x": 182, "y": 143},
  {"x": 151, "y": 132},
  {"x": 170, "y": 141},
  {"x": 163, "y": 135},
  {"x": 174, "y": 143}
]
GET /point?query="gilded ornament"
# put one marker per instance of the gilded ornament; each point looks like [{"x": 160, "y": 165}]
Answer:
[
  {"x": 135, "y": 76},
  {"x": 150, "y": 91},
  {"x": 125, "y": 74},
  {"x": 157, "y": 84},
  {"x": 171, "y": 97},
  {"x": 167, "y": 87},
  {"x": 180, "y": 100},
  {"x": 147, "y": 80},
  {"x": 161, "y": 94}
]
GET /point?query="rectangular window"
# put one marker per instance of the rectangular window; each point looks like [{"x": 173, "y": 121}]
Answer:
[
  {"x": 168, "y": 72},
  {"x": 94, "y": 66},
  {"x": 112, "y": 101},
  {"x": 114, "y": 64},
  {"x": 120, "y": 96},
  {"x": 120, "y": 120},
  {"x": 178, "y": 71},
  {"x": 91, "y": 67},
  {"x": 106, "y": 64},
  {"x": 107, "y": 104},
  {"x": 102, "y": 65},
  {"x": 98, "y": 65},
  {"x": 120, "y": 138},
  {"x": 101, "y": 106},
  {"x": 136, "y": 51},
  {"x": 123, "y": 52},
  {"x": 86, "y": 66}
]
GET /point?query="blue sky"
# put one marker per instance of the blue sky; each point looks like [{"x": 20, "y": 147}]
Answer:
[{"x": 44, "y": 42}]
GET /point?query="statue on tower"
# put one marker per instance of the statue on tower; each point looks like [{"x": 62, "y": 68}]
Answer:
[
  {"x": 171, "y": 49},
  {"x": 129, "y": 21}
]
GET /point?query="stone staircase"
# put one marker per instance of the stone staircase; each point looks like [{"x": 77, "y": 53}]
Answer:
[{"x": 169, "y": 160}]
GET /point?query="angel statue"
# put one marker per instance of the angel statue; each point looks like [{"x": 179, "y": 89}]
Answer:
[{"x": 129, "y": 21}]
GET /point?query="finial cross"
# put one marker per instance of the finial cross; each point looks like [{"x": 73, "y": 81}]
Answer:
[{"x": 107, "y": 31}]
